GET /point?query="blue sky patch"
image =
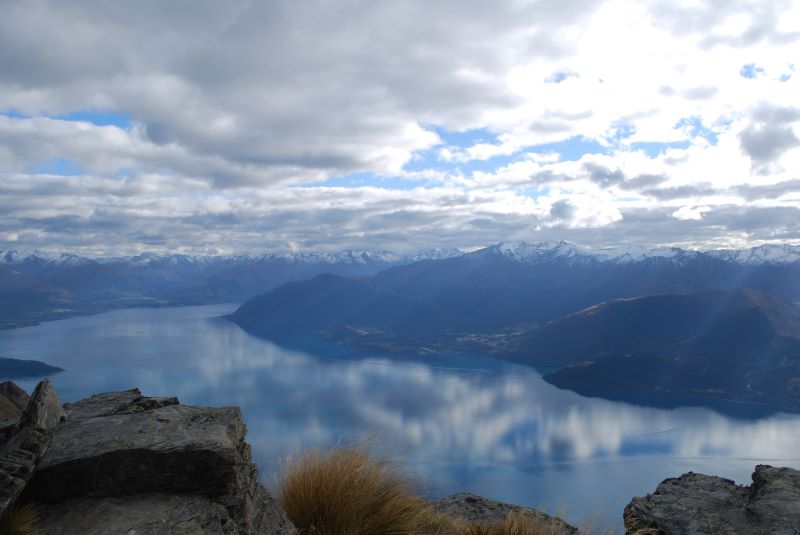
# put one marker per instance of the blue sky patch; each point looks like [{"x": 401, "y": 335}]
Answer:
[
  {"x": 571, "y": 149},
  {"x": 696, "y": 128},
  {"x": 559, "y": 76},
  {"x": 464, "y": 139},
  {"x": 61, "y": 166},
  {"x": 362, "y": 180},
  {"x": 534, "y": 192},
  {"x": 750, "y": 70},
  {"x": 14, "y": 114},
  {"x": 654, "y": 149},
  {"x": 99, "y": 118}
]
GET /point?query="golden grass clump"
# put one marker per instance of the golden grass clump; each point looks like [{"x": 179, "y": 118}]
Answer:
[
  {"x": 20, "y": 520},
  {"x": 522, "y": 523},
  {"x": 347, "y": 491},
  {"x": 429, "y": 521}
]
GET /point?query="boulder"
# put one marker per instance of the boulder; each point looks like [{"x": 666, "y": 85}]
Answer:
[
  {"x": 128, "y": 456},
  {"x": 482, "y": 510},
  {"x": 700, "y": 504},
  {"x": 25, "y": 443}
]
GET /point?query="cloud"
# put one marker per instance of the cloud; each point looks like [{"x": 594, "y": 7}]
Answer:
[
  {"x": 443, "y": 124},
  {"x": 770, "y": 134}
]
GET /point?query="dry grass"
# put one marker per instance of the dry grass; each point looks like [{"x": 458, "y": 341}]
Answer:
[
  {"x": 20, "y": 520},
  {"x": 349, "y": 491},
  {"x": 431, "y": 522},
  {"x": 521, "y": 523}
]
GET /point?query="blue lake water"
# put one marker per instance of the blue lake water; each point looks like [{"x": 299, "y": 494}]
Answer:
[{"x": 458, "y": 422}]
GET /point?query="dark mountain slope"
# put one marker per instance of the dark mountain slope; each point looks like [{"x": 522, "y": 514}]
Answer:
[
  {"x": 498, "y": 289},
  {"x": 489, "y": 289},
  {"x": 329, "y": 302},
  {"x": 742, "y": 345},
  {"x": 24, "y": 300}
]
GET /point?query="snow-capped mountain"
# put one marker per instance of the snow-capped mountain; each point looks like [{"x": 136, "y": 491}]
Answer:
[
  {"x": 551, "y": 250},
  {"x": 147, "y": 259},
  {"x": 525, "y": 252},
  {"x": 557, "y": 275},
  {"x": 765, "y": 254}
]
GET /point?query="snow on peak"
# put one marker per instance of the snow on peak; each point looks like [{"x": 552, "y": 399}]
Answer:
[
  {"x": 37, "y": 256},
  {"x": 434, "y": 254},
  {"x": 525, "y": 252},
  {"x": 770, "y": 253}
]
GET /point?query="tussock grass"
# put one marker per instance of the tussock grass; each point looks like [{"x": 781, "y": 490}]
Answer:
[
  {"x": 349, "y": 491},
  {"x": 521, "y": 523},
  {"x": 20, "y": 520},
  {"x": 429, "y": 521}
]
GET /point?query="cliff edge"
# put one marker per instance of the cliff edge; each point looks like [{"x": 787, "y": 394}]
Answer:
[{"x": 123, "y": 463}]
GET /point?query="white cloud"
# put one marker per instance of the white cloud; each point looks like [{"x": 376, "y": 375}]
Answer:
[{"x": 234, "y": 108}]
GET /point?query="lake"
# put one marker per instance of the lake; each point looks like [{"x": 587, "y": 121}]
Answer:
[{"x": 459, "y": 423}]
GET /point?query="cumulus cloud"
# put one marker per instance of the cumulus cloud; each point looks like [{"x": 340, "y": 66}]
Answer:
[
  {"x": 769, "y": 135},
  {"x": 241, "y": 126}
]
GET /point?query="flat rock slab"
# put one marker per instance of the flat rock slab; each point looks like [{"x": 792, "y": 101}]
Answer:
[
  {"x": 111, "y": 403},
  {"x": 150, "y": 514},
  {"x": 126, "y": 463},
  {"x": 699, "y": 504},
  {"x": 482, "y": 510},
  {"x": 169, "y": 449}
]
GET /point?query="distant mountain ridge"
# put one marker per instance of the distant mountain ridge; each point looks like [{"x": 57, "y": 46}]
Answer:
[
  {"x": 501, "y": 287},
  {"x": 15, "y": 257},
  {"x": 40, "y": 286},
  {"x": 37, "y": 286},
  {"x": 718, "y": 324},
  {"x": 517, "y": 250}
]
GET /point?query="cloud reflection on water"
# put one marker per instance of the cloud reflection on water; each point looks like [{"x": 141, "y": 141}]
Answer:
[{"x": 459, "y": 422}]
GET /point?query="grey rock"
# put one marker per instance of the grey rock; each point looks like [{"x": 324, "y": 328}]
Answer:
[
  {"x": 125, "y": 402},
  {"x": 485, "y": 511},
  {"x": 26, "y": 443},
  {"x": 43, "y": 410},
  {"x": 700, "y": 504},
  {"x": 169, "y": 449},
  {"x": 147, "y": 514},
  {"x": 115, "y": 448}
]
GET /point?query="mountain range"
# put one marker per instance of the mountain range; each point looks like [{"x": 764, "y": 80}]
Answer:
[
  {"x": 502, "y": 288},
  {"x": 622, "y": 323},
  {"x": 719, "y": 324},
  {"x": 39, "y": 286}
]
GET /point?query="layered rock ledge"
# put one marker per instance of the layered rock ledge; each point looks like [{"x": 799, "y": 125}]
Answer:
[
  {"x": 695, "y": 504},
  {"x": 123, "y": 463}
]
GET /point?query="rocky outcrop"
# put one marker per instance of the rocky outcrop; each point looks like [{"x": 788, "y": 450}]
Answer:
[
  {"x": 16, "y": 396},
  {"x": 26, "y": 441},
  {"x": 123, "y": 463},
  {"x": 700, "y": 504},
  {"x": 12, "y": 402},
  {"x": 482, "y": 510}
]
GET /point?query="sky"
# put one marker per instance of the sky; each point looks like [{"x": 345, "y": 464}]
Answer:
[{"x": 220, "y": 127}]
